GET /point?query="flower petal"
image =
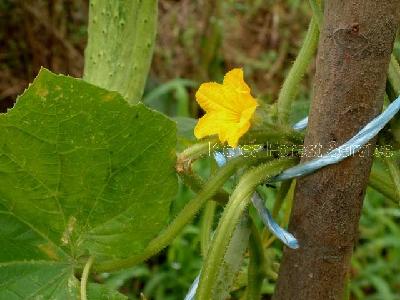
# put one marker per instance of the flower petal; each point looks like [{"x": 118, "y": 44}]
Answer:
[
  {"x": 214, "y": 123},
  {"x": 211, "y": 97},
  {"x": 247, "y": 114},
  {"x": 229, "y": 108},
  {"x": 236, "y": 133},
  {"x": 234, "y": 79},
  {"x": 205, "y": 127},
  {"x": 237, "y": 130}
]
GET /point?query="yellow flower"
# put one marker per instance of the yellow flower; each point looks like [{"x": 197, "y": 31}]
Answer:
[{"x": 229, "y": 108}]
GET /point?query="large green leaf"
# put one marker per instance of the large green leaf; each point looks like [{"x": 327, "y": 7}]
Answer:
[
  {"x": 121, "y": 37},
  {"x": 82, "y": 174},
  {"x": 101, "y": 292},
  {"x": 38, "y": 280},
  {"x": 47, "y": 280}
]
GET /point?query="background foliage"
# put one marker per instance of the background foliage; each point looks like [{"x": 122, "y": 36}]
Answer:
[{"x": 263, "y": 36}]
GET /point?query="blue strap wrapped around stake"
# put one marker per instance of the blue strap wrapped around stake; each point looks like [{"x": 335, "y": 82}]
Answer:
[
  {"x": 349, "y": 148},
  {"x": 193, "y": 288},
  {"x": 286, "y": 237},
  {"x": 302, "y": 124}
]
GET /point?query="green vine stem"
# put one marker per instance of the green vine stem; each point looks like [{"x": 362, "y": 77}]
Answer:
[
  {"x": 256, "y": 270},
  {"x": 395, "y": 173},
  {"x": 394, "y": 170},
  {"x": 185, "y": 215},
  {"x": 281, "y": 195},
  {"x": 199, "y": 149},
  {"x": 394, "y": 80},
  {"x": 207, "y": 221},
  {"x": 317, "y": 12},
  {"x": 394, "y": 74},
  {"x": 232, "y": 212},
  {"x": 196, "y": 184},
  {"x": 208, "y": 216},
  {"x": 347, "y": 289},
  {"x": 273, "y": 136},
  {"x": 84, "y": 279},
  {"x": 289, "y": 204},
  {"x": 296, "y": 73}
]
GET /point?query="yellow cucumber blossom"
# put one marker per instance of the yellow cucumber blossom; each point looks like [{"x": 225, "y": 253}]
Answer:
[{"x": 229, "y": 108}]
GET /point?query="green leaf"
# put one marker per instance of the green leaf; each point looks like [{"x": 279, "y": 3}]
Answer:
[
  {"x": 101, "y": 292},
  {"x": 38, "y": 280},
  {"x": 47, "y": 280},
  {"x": 121, "y": 37},
  {"x": 82, "y": 174}
]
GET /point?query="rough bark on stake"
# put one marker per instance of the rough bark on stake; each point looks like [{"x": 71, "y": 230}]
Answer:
[{"x": 353, "y": 56}]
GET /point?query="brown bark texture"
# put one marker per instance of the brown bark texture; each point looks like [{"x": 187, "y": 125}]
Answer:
[{"x": 353, "y": 55}]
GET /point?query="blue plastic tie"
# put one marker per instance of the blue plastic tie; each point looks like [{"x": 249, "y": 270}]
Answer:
[
  {"x": 193, "y": 288},
  {"x": 301, "y": 124},
  {"x": 286, "y": 237},
  {"x": 349, "y": 148}
]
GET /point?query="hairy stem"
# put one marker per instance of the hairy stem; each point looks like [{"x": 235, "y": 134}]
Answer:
[
  {"x": 84, "y": 279},
  {"x": 395, "y": 174},
  {"x": 283, "y": 191},
  {"x": 296, "y": 73},
  {"x": 394, "y": 74},
  {"x": 394, "y": 80},
  {"x": 199, "y": 149},
  {"x": 317, "y": 12},
  {"x": 206, "y": 226},
  {"x": 234, "y": 209},
  {"x": 196, "y": 184}
]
